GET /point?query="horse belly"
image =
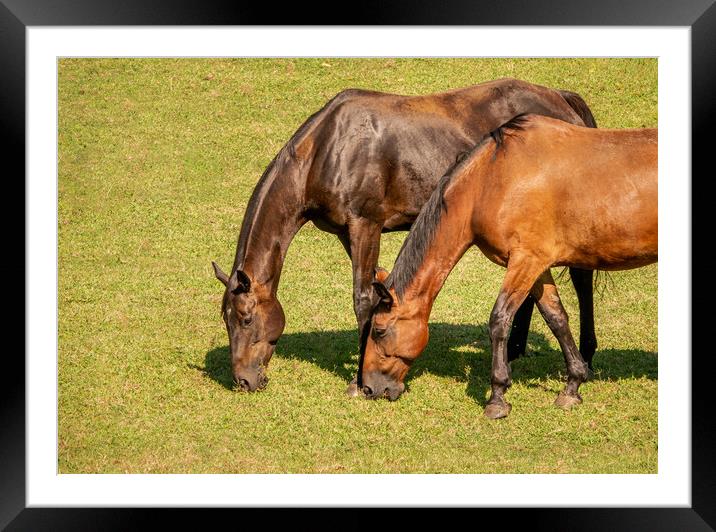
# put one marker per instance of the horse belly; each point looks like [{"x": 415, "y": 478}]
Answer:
[{"x": 615, "y": 246}]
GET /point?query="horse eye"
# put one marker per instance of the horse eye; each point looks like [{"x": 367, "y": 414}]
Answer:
[
  {"x": 247, "y": 321},
  {"x": 380, "y": 333}
]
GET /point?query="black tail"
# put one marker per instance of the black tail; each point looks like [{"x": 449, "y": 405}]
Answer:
[{"x": 580, "y": 107}]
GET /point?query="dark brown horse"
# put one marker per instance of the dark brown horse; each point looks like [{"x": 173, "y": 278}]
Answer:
[
  {"x": 363, "y": 165},
  {"x": 536, "y": 193}
]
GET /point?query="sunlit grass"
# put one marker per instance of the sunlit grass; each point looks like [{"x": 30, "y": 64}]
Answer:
[{"x": 157, "y": 159}]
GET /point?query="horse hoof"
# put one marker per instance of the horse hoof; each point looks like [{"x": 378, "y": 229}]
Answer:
[
  {"x": 566, "y": 402},
  {"x": 497, "y": 410},
  {"x": 352, "y": 390}
]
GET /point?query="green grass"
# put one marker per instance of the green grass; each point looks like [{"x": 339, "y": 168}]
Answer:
[{"x": 157, "y": 159}]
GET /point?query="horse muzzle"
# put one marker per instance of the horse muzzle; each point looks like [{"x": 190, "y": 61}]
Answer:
[
  {"x": 251, "y": 381},
  {"x": 377, "y": 386}
]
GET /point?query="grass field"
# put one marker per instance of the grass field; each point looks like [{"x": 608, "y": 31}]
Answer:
[{"x": 157, "y": 159}]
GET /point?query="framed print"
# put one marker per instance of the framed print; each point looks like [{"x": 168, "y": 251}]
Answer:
[{"x": 163, "y": 82}]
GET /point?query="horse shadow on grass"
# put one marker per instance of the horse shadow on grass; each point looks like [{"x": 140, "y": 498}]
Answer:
[{"x": 457, "y": 351}]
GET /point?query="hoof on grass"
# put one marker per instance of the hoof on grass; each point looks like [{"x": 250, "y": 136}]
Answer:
[
  {"x": 497, "y": 410},
  {"x": 565, "y": 402}
]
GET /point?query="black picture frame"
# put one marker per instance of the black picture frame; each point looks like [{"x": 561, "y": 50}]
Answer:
[{"x": 17, "y": 15}]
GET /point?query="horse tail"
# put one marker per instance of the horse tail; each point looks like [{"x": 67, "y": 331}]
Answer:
[
  {"x": 580, "y": 107},
  {"x": 601, "y": 283}
]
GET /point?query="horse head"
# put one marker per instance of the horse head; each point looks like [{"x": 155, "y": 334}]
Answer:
[
  {"x": 398, "y": 334},
  {"x": 254, "y": 321}
]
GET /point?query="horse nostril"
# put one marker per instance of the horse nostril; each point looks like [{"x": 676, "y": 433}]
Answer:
[
  {"x": 263, "y": 381},
  {"x": 367, "y": 390},
  {"x": 244, "y": 385}
]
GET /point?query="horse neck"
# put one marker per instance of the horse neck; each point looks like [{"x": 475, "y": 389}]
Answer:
[
  {"x": 273, "y": 217},
  {"x": 452, "y": 238}
]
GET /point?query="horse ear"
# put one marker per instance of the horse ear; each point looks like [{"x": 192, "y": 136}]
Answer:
[
  {"x": 380, "y": 274},
  {"x": 383, "y": 295},
  {"x": 221, "y": 276},
  {"x": 243, "y": 283}
]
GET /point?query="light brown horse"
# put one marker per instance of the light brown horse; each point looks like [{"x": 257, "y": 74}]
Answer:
[{"x": 534, "y": 194}]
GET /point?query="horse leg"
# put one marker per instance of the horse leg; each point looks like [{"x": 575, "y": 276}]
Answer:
[
  {"x": 363, "y": 247},
  {"x": 517, "y": 344},
  {"x": 353, "y": 390},
  {"x": 521, "y": 274},
  {"x": 550, "y": 306},
  {"x": 582, "y": 281}
]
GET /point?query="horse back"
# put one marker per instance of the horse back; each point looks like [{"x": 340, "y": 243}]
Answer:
[
  {"x": 584, "y": 197},
  {"x": 379, "y": 156}
]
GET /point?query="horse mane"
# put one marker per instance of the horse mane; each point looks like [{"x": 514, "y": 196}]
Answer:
[
  {"x": 415, "y": 246},
  {"x": 514, "y": 124},
  {"x": 285, "y": 155},
  {"x": 421, "y": 235}
]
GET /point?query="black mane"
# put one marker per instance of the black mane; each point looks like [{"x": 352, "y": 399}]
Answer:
[
  {"x": 411, "y": 254},
  {"x": 515, "y": 124},
  {"x": 421, "y": 235}
]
